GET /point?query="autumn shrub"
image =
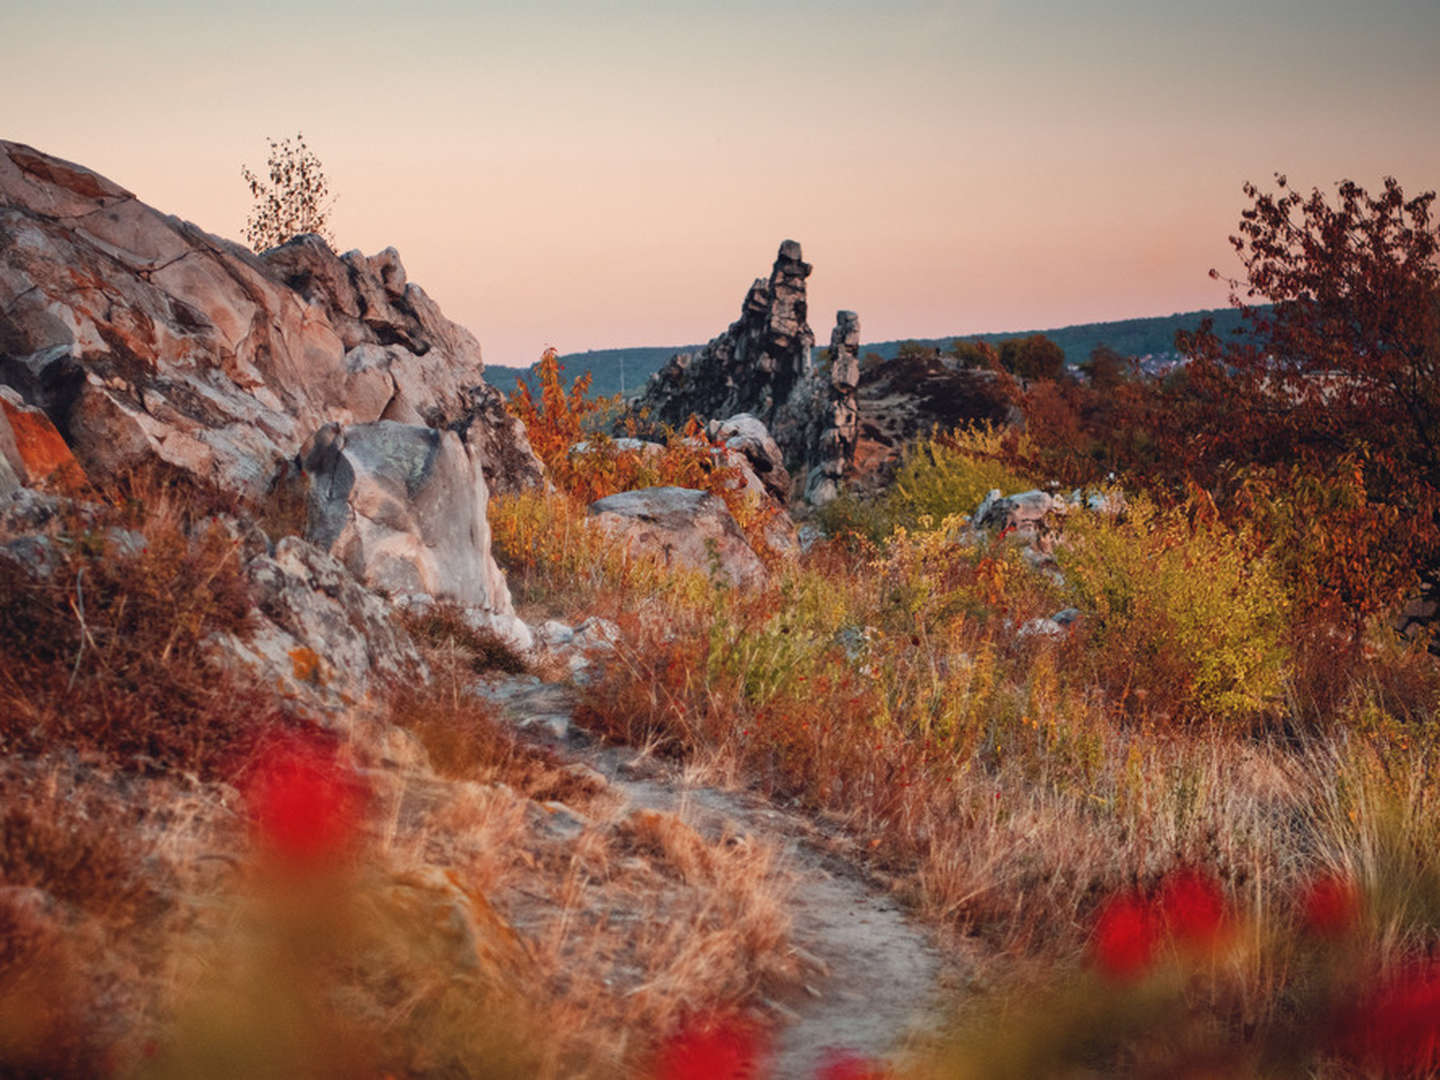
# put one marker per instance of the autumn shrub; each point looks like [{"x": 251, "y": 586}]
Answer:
[
  {"x": 951, "y": 473},
  {"x": 587, "y": 464},
  {"x": 552, "y": 553},
  {"x": 78, "y": 846},
  {"x": 444, "y": 625},
  {"x": 1184, "y": 618},
  {"x": 940, "y": 476},
  {"x": 106, "y": 648}
]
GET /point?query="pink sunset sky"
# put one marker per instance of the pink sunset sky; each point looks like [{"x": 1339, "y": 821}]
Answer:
[{"x": 605, "y": 174}]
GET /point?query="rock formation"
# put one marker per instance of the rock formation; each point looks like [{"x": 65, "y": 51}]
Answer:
[
  {"x": 144, "y": 339},
  {"x": 754, "y": 365},
  {"x": 903, "y": 399},
  {"x": 820, "y": 422},
  {"x": 835, "y": 424}
]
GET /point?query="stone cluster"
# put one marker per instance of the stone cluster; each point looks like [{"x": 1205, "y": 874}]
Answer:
[{"x": 836, "y": 425}]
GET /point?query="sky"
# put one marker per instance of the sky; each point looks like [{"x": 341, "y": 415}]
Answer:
[{"x": 602, "y": 174}]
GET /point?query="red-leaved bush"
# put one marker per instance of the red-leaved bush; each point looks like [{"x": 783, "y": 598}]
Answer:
[
  {"x": 1329, "y": 907},
  {"x": 1188, "y": 907},
  {"x": 1192, "y": 908},
  {"x": 1396, "y": 1028}
]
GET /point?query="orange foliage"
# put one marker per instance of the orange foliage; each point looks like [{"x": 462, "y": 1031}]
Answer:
[{"x": 589, "y": 465}]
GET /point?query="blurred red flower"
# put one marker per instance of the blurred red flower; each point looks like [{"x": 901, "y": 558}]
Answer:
[
  {"x": 1329, "y": 906},
  {"x": 305, "y": 804},
  {"x": 714, "y": 1048},
  {"x": 1192, "y": 907},
  {"x": 1125, "y": 934},
  {"x": 1397, "y": 1027}
]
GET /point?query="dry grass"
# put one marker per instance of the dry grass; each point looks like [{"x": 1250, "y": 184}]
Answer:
[
  {"x": 107, "y": 652},
  {"x": 444, "y": 629},
  {"x": 1002, "y": 788}
]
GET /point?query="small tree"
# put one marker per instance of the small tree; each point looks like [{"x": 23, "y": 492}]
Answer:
[
  {"x": 294, "y": 200},
  {"x": 1106, "y": 368},
  {"x": 974, "y": 354},
  {"x": 1033, "y": 357},
  {"x": 1342, "y": 301}
]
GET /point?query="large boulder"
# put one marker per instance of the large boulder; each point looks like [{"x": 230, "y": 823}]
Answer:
[
  {"x": 317, "y": 633},
  {"x": 144, "y": 339},
  {"x": 402, "y": 506},
  {"x": 1029, "y": 514},
  {"x": 683, "y": 527}
]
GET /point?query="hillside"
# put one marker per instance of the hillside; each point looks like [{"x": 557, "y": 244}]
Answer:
[{"x": 628, "y": 368}]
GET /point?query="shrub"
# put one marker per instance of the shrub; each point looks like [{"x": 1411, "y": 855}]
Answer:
[
  {"x": 1184, "y": 618},
  {"x": 552, "y": 553},
  {"x": 951, "y": 473},
  {"x": 562, "y": 419},
  {"x": 444, "y": 625},
  {"x": 940, "y": 476},
  {"x": 294, "y": 200}
]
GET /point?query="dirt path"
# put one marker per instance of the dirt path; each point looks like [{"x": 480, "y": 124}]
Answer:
[{"x": 877, "y": 969}]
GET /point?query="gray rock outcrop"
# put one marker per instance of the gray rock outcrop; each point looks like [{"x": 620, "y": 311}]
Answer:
[
  {"x": 836, "y": 425},
  {"x": 684, "y": 527},
  {"x": 403, "y": 507},
  {"x": 317, "y": 632},
  {"x": 821, "y": 421},
  {"x": 145, "y": 339},
  {"x": 745, "y": 435},
  {"x": 754, "y": 365}
]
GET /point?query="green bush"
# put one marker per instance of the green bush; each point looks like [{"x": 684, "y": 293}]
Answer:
[
  {"x": 951, "y": 474},
  {"x": 1184, "y": 620}
]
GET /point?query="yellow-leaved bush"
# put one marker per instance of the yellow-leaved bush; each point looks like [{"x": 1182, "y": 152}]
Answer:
[
  {"x": 1185, "y": 618},
  {"x": 951, "y": 473},
  {"x": 941, "y": 475}
]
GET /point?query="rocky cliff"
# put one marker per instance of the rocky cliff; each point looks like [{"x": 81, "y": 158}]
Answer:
[{"x": 144, "y": 339}]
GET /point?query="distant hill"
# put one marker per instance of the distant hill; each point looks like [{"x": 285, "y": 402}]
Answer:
[
  {"x": 613, "y": 369},
  {"x": 1152, "y": 337}
]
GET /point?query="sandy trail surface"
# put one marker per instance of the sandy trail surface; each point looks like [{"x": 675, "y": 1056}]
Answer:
[{"x": 874, "y": 969}]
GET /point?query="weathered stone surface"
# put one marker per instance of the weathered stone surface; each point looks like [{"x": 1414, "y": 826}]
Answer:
[
  {"x": 746, "y": 435},
  {"x": 681, "y": 526},
  {"x": 500, "y": 443},
  {"x": 820, "y": 422},
  {"x": 320, "y": 636},
  {"x": 33, "y": 453},
  {"x": 144, "y": 338},
  {"x": 1027, "y": 513},
  {"x": 403, "y": 507},
  {"x": 754, "y": 365}
]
